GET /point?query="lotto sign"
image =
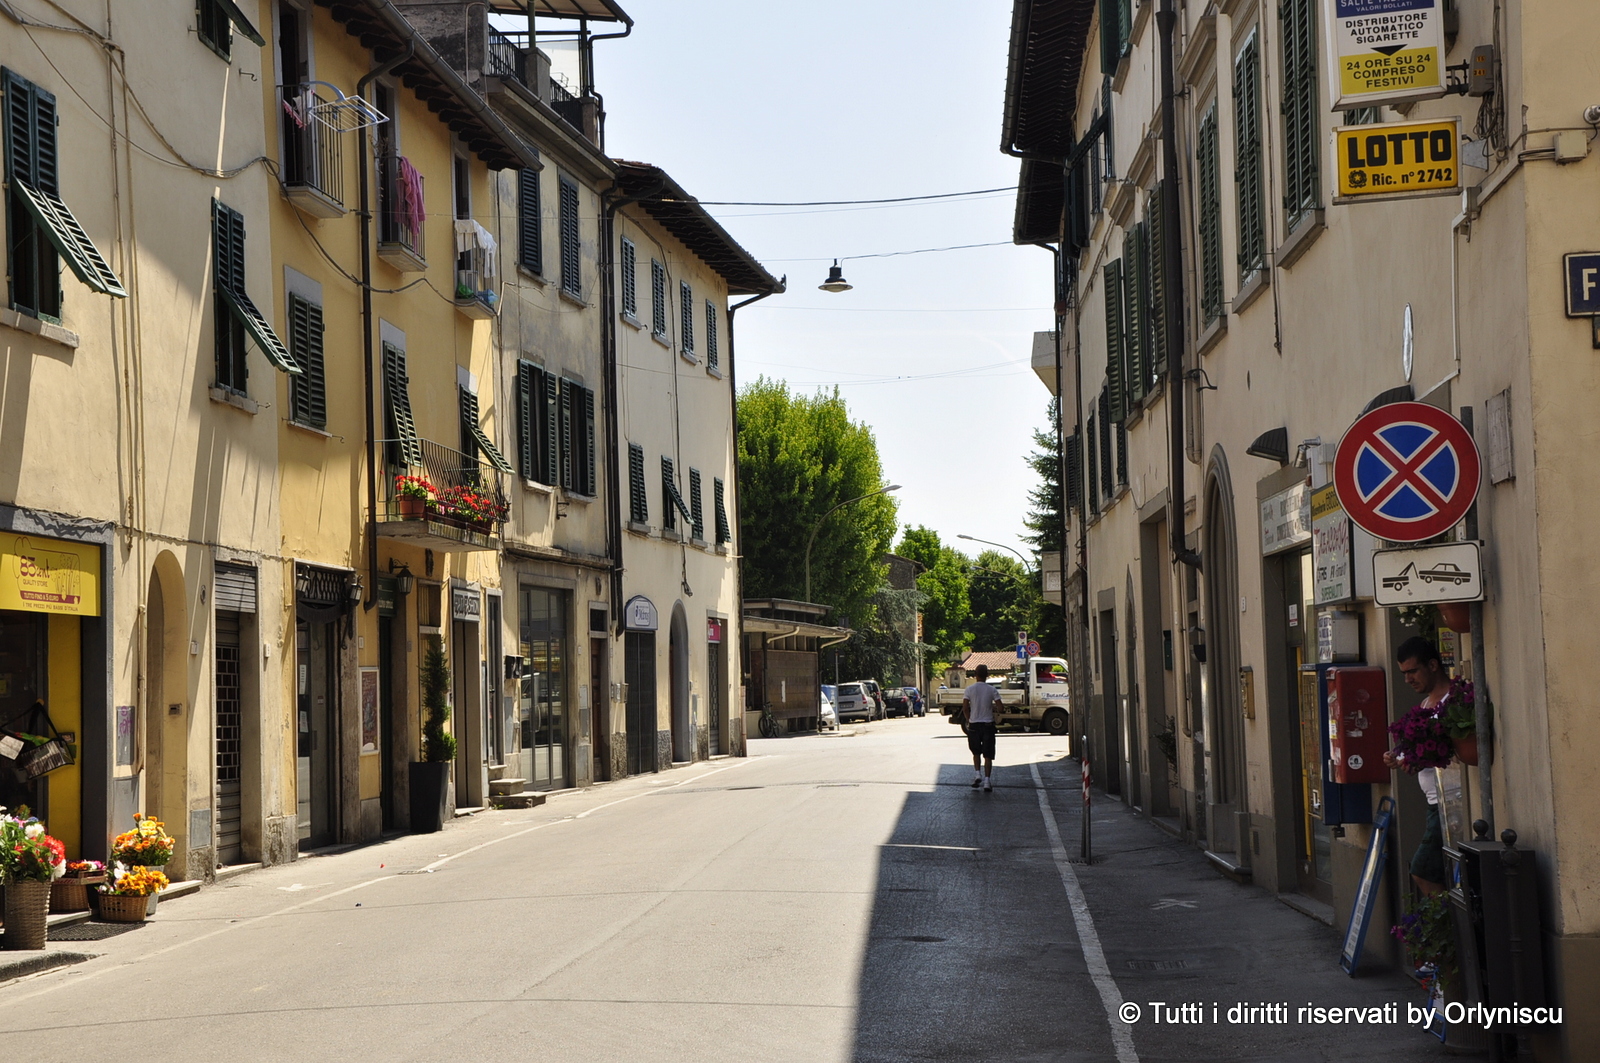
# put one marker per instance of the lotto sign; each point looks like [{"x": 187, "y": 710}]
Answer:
[
  {"x": 1406, "y": 472},
  {"x": 1385, "y": 51},
  {"x": 1401, "y": 158}
]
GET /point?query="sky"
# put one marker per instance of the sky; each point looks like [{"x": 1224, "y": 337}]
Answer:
[{"x": 771, "y": 101}]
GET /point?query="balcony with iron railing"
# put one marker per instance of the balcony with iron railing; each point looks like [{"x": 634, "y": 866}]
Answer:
[
  {"x": 434, "y": 496},
  {"x": 401, "y": 214},
  {"x": 313, "y": 155},
  {"x": 507, "y": 56}
]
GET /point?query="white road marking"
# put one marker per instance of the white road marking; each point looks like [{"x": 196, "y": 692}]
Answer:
[
  {"x": 1094, "y": 956},
  {"x": 646, "y": 793},
  {"x": 908, "y": 845},
  {"x": 1168, "y": 902}
]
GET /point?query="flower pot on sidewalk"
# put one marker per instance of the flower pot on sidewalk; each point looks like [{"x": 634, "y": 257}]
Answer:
[
  {"x": 430, "y": 793},
  {"x": 71, "y": 894},
  {"x": 120, "y": 908},
  {"x": 27, "y": 905}
]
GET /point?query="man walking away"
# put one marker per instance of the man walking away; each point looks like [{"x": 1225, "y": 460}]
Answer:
[
  {"x": 1425, "y": 673},
  {"x": 977, "y": 706}
]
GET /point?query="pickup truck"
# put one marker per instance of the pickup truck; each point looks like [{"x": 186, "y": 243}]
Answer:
[{"x": 1033, "y": 695}]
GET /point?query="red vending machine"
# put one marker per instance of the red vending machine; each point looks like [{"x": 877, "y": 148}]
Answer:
[{"x": 1358, "y": 723}]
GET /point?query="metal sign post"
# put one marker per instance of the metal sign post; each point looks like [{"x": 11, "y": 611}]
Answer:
[{"x": 1086, "y": 848}]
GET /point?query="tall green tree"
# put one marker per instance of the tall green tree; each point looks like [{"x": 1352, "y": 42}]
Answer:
[
  {"x": 943, "y": 580},
  {"x": 1005, "y": 599},
  {"x": 799, "y": 457},
  {"x": 1044, "y": 527},
  {"x": 879, "y": 649}
]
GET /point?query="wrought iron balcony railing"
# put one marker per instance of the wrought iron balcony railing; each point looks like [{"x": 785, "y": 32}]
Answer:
[
  {"x": 401, "y": 215},
  {"x": 313, "y": 154},
  {"x": 444, "y": 485}
]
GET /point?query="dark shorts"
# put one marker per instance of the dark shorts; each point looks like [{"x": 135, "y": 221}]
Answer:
[
  {"x": 1427, "y": 863},
  {"x": 980, "y": 739}
]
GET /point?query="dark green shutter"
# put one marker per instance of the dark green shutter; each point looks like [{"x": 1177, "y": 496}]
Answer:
[
  {"x": 696, "y": 517},
  {"x": 711, "y": 334},
  {"x": 552, "y": 429},
  {"x": 1210, "y": 219},
  {"x": 1133, "y": 286},
  {"x": 1158, "y": 283},
  {"x": 685, "y": 317},
  {"x": 588, "y": 482},
  {"x": 1302, "y": 187},
  {"x": 228, "y": 238},
  {"x": 565, "y": 421},
  {"x": 1116, "y": 357},
  {"x": 308, "y": 397},
  {"x": 1074, "y": 487},
  {"x": 571, "y": 246},
  {"x": 658, "y": 298},
  {"x": 630, "y": 279},
  {"x": 527, "y": 446},
  {"x": 638, "y": 495},
  {"x": 1247, "y": 155},
  {"x": 530, "y": 222},
  {"x": 719, "y": 498},
  {"x": 475, "y": 441},
  {"x": 669, "y": 487},
  {"x": 401, "y": 429},
  {"x": 1107, "y": 456},
  {"x": 1093, "y": 478}
]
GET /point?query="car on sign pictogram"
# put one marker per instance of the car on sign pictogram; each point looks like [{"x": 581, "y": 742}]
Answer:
[{"x": 1444, "y": 572}]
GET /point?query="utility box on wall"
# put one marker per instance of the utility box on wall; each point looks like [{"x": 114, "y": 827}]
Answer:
[{"x": 1358, "y": 724}]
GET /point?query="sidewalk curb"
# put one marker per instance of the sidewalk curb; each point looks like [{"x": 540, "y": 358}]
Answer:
[{"x": 23, "y": 966}]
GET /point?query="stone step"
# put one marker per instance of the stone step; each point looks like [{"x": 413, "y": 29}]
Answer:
[
  {"x": 502, "y": 787},
  {"x": 526, "y": 799}
]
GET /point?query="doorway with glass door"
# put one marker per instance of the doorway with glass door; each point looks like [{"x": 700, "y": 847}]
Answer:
[
  {"x": 543, "y": 702},
  {"x": 1313, "y": 838}
]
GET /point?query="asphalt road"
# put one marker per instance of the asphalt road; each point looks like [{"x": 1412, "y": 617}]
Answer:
[{"x": 830, "y": 898}]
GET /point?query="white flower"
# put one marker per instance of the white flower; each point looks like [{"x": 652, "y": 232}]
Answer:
[{"x": 33, "y": 830}]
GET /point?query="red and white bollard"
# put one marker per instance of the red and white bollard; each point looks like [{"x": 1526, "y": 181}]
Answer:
[{"x": 1086, "y": 802}]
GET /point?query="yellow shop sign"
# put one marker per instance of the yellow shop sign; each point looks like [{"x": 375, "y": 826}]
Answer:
[
  {"x": 1401, "y": 158},
  {"x": 41, "y": 575}
]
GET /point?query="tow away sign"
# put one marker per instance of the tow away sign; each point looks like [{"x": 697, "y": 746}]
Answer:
[
  {"x": 1444, "y": 572},
  {"x": 1397, "y": 159},
  {"x": 1384, "y": 51}
]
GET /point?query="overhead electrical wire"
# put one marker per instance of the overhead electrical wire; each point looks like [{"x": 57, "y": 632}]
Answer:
[{"x": 837, "y": 202}]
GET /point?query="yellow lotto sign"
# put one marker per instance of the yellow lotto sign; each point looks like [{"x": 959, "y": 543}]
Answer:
[
  {"x": 1398, "y": 159},
  {"x": 40, "y": 575}
]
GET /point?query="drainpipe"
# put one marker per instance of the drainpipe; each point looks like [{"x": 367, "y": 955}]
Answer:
[
  {"x": 608, "y": 344},
  {"x": 364, "y": 212},
  {"x": 1172, "y": 270}
]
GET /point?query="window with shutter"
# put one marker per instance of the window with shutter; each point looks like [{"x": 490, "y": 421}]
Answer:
[
  {"x": 658, "y": 299},
  {"x": 588, "y": 482},
  {"x": 697, "y": 524},
  {"x": 566, "y": 429},
  {"x": 671, "y": 500},
  {"x": 308, "y": 398},
  {"x": 719, "y": 499},
  {"x": 638, "y": 496},
  {"x": 527, "y": 424},
  {"x": 711, "y": 335},
  {"x": 402, "y": 447},
  {"x": 1156, "y": 219},
  {"x": 1074, "y": 448},
  {"x": 237, "y": 316},
  {"x": 1133, "y": 294},
  {"x": 1302, "y": 184},
  {"x": 1122, "y": 455},
  {"x": 630, "y": 279},
  {"x": 685, "y": 319},
  {"x": 474, "y": 440},
  {"x": 214, "y": 28},
  {"x": 1210, "y": 218},
  {"x": 571, "y": 245},
  {"x": 1116, "y": 31},
  {"x": 530, "y": 223},
  {"x": 1247, "y": 158},
  {"x": 1093, "y": 478},
  {"x": 550, "y": 442},
  {"x": 1116, "y": 358},
  {"x": 40, "y": 229},
  {"x": 1107, "y": 454}
]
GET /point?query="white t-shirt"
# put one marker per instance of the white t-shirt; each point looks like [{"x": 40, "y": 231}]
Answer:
[
  {"x": 1428, "y": 779},
  {"x": 981, "y": 699}
]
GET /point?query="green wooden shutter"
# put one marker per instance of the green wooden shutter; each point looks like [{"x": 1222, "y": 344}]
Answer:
[
  {"x": 1074, "y": 487},
  {"x": 530, "y": 222},
  {"x": 1134, "y": 280},
  {"x": 589, "y": 482},
  {"x": 552, "y": 429},
  {"x": 1210, "y": 219},
  {"x": 719, "y": 498},
  {"x": 685, "y": 317},
  {"x": 669, "y": 488},
  {"x": 1158, "y": 283},
  {"x": 658, "y": 298},
  {"x": 1107, "y": 456},
  {"x": 474, "y": 440},
  {"x": 527, "y": 448},
  {"x": 228, "y": 233},
  {"x": 571, "y": 245},
  {"x": 1093, "y": 478},
  {"x": 406, "y": 448},
  {"x": 638, "y": 495},
  {"x": 564, "y": 395},
  {"x": 1116, "y": 358},
  {"x": 696, "y": 518},
  {"x": 630, "y": 279},
  {"x": 1247, "y": 156},
  {"x": 712, "y": 357},
  {"x": 308, "y": 397},
  {"x": 1302, "y": 187}
]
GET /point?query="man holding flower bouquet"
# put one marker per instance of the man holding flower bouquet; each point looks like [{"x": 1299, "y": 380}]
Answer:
[{"x": 1420, "y": 743}]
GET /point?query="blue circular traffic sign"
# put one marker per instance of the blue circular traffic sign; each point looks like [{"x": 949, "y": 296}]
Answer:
[{"x": 1406, "y": 472}]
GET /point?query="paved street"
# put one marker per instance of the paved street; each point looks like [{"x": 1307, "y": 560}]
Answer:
[{"x": 828, "y": 898}]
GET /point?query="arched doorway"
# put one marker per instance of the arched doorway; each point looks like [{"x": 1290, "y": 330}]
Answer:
[
  {"x": 1225, "y": 789},
  {"x": 683, "y": 736},
  {"x": 167, "y": 708}
]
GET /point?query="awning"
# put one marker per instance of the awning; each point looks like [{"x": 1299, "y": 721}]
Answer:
[
  {"x": 593, "y": 10},
  {"x": 70, "y": 240},
  {"x": 767, "y": 626}
]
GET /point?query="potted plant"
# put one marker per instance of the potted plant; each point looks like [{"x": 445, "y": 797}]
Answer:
[
  {"x": 126, "y": 898},
  {"x": 1460, "y": 716},
  {"x": 29, "y": 861},
  {"x": 147, "y": 845},
  {"x": 430, "y": 777},
  {"x": 70, "y": 892},
  {"x": 1420, "y": 739},
  {"x": 413, "y": 494}
]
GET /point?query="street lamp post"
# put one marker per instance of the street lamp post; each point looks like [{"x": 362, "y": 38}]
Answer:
[
  {"x": 974, "y": 539},
  {"x": 818, "y": 527}
]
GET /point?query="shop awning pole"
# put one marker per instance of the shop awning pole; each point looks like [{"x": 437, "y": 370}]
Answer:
[{"x": 1482, "y": 709}]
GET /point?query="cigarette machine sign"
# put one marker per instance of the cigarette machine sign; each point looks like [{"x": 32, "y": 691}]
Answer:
[{"x": 1384, "y": 51}]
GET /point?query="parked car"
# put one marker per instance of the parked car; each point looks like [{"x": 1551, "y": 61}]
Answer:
[
  {"x": 896, "y": 703},
  {"x": 881, "y": 708},
  {"x": 852, "y": 702},
  {"x": 827, "y": 716}
]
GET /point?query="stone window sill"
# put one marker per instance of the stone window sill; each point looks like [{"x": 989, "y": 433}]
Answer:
[
  {"x": 234, "y": 399},
  {"x": 1313, "y": 225},
  {"x": 308, "y": 429},
  {"x": 1252, "y": 288},
  {"x": 536, "y": 487},
  {"x": 43, "y": 329},
  {"x": 1212, "y": 334},
  {"x": 712, "y": 370},
  {"x": 638, "y": 528},
  {"x": 573, "y": 297},
  {"x": 632, "y": 322},
  {"x": 659, "y": 338}
]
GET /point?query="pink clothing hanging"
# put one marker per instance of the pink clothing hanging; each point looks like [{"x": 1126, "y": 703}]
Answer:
[{"x": 410, "y": 188}]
